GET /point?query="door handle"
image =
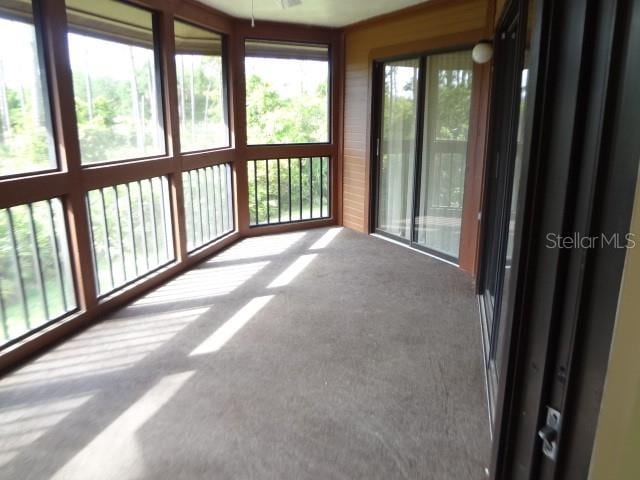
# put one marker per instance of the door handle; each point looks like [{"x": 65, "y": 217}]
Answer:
[
  {"x": 548, "y": 436},
  {"x": 549, "y": 433}
]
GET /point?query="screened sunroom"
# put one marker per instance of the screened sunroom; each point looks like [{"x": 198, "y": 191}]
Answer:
[{"x": 310, "y": 238}]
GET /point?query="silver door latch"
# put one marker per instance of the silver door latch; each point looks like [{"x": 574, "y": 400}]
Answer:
[{"x": 549, "y": 433}]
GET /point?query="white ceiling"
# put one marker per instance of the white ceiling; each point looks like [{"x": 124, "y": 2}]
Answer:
[{"x": 328, "y": 13}]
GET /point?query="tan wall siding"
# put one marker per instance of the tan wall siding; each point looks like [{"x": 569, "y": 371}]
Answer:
[
  {"x": 355, "y": 139},
  {"x": 453, "y": 22},
  {"x": 616, "y": 451}
]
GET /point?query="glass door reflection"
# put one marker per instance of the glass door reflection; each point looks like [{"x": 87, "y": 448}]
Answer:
[
  {"x": 423, "y": 116},
  {"x": 444, "y": 152},
  {"x": 397, "y": 147}
]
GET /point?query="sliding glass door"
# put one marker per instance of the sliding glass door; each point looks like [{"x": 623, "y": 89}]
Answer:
[
  {"x": 503, "y": 188},
  {"x": 444, "y": 152},
  {"x": 397, "y": 146},
  {"x": 421, "y": 145}
]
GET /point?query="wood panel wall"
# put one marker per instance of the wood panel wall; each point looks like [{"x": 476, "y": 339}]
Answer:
[
  {"x": 434, "y": 25},
  {"x": 500, "y": 4}
]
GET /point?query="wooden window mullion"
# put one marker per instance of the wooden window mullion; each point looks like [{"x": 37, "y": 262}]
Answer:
[
  {"x": 52, "y": 20},
  {"x": 166, "y": 48}
]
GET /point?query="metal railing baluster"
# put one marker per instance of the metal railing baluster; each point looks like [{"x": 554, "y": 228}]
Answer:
[
  {"x": 317, "y": 172},
  {"x": 164, "y": 185},
  {"x": 133, "y": 232},
  {"x": 211, "y": 204},
  {"x": 255, "y": 189},
  {"x": 3, "y": 314},
  {"x": 224, "y": 195},
  {"x": 35, "y": 251},
  {"x": 147, "y": 214},
  {"x": 186, "y": 178},
  {"x": 268, "y": 195},
  {"x": 279, "y": 196},
  {"x": 219, "y": 192},
  {"x": 154, "y": 221},
  {"x": 144, "y": 227},
  {"x": 56, "y": 250},
  {"x": 214, "y": 200},
  {"x": 18, "y": 268},
  {"x": 300, "y": 187},
  {"x": 123, "y": 260},
  {"x": 229, "y": 176},
  {"x": 199, "y": 197},
  {"x": 310, "y": 160},
  {"x": 321, "y": 187},
  {"x": 206, "y": 203},
  {"x": 289, "y": 180},
  {"x": 106, "y": 235},
  {"x": 93, "y": 240},
  {"x": 328, "y": 186}
]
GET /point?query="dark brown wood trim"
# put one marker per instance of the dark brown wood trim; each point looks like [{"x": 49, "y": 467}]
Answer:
[
  {"x": 444, "y": 42},
  {"x": 189, "y": 161},
  {"x": 236, "y": 64},
  {"x": 338, "y": 82},
  {"x": 157, "y": 5},
  {"x": 259, "y": 152},
  {"x": 490, "y": 20},
  {"x": 289, "y": 227},
  {"x": 284, "y": 32},
  {"x": 474, "y": 170},
  {"x": 16, "y": 191},
  {"x": 56, "y": 53},
  {"x": 241, "y": 193},
  {"x": 368, "y": 207},
  {"x": 103, "y": 176},
  {"x": 166, "y": 48}
]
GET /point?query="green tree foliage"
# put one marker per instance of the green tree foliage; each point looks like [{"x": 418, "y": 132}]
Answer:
[
  {"x": 117, "y": 114},
  {"x": 25, "y": 143},
  {"x": 275, "y": 119},
  {"x": 454, "y": 99},
  {"x": 200, "y": 101},
  {"x": 275, "y": 116}
]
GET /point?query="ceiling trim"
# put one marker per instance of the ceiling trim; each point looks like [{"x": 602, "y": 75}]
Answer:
[
  {"x": 412, "y": 9},
  {"x": 355, "y": 25}
]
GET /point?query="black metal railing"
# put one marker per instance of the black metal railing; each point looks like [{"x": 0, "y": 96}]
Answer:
[
  {"x": 130, "y": 231},
  {"x": 208, "y": 204},
  {"x": 36, "y": 283},
  {"x": 447, "y": 176},
  {"x": 289, "y": 190}
]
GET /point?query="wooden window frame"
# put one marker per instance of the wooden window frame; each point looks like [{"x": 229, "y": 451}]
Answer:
[
  {"x": 72, "y": 180},
  {"x": 329, "y": 140},
  {"x": 289, "y": 33},
  {"x": 203, "y": 155}
]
